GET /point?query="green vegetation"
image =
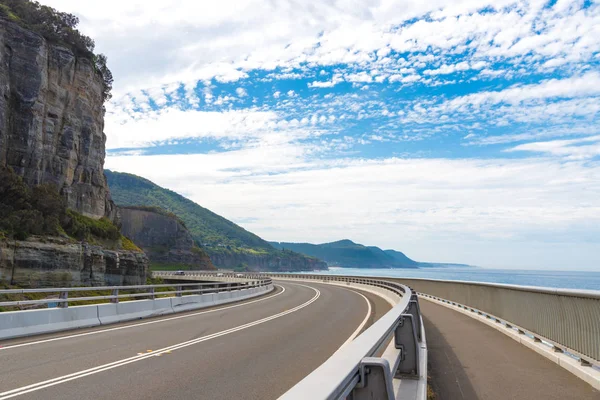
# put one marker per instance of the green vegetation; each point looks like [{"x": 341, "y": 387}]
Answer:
[
  {"x": 127, "y": 244},
  {"x": 346, "y": 253},
  {"x": 207, "y": 228},
  {"x": 84, "y": 228},
  {"x": 84, "y": 293},
  {"x": 41, "y": 210},
  {"x": 218, "y": 236},
  {"x": 28, "y": 211},
  {"x": 57, "y": 27}
]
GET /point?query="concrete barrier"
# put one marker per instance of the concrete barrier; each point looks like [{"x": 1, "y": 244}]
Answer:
[
  {"x": 35, "y": 322},
  {"x": 131, "y": 310},
  {"x": 193, "y": 302}
]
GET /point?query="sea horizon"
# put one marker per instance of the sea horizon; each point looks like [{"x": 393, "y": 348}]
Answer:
[{"x": 557, "y": 279}]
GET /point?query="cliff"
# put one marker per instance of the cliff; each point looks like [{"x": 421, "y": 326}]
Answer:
[
  {"x": 164, "y": 238},
  {"x": 51, "y": 136},
  {"x": 52, "y": 119},
  {"x": 56, "y": 262},
  {"x": 229, "y": 245},
  {"x": 276, "y": 262}
]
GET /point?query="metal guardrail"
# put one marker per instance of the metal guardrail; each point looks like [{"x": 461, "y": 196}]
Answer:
[
  {"x": 357, "y": 371},
  {"x": 142, "y": 291},
  {"x": 567, "y": 319}
]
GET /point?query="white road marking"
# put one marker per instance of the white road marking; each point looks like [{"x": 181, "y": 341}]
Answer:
[
  {"x": 139, "y": 324},
  {"x": 363, "y": 323},
  {"x": 77, "y": 375}
]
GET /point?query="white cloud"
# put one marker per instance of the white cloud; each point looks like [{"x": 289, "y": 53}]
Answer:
[
  {"x": 573, "y": 149},
  {"x": 241, "y": 92},
  {"x": 403, "y": 204},
  {"x": 337, "y": 78},
  {"x": 192, "y": 41}
]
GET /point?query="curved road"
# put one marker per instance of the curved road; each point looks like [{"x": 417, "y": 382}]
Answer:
[{"x": 255, "y": 349}]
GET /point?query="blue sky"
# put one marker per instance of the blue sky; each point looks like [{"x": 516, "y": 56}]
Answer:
[{"x": 458, "y": 131}]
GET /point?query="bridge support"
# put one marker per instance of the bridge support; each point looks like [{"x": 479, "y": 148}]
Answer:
[
  {"x": 406, "y": 339},
  {"x": 375, "y": 380}
]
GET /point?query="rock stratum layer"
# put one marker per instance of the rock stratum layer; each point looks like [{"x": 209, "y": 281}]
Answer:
[
  {"x": 51, "y": 132},
  {"x": 57, "y": 262},
  {"x": 52, "y": 119},
  {"x": 164, "y": 238}
]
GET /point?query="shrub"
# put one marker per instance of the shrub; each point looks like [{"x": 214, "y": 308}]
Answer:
[
  {"x": 25, "y": 211},
  {"x": 57, "y": 27},
  {"x": 83, "y": 228},
  {"x": 127, "y": 244}
]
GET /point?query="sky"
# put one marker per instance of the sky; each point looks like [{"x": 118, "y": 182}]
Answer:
[{"x": 462, "y": 131}]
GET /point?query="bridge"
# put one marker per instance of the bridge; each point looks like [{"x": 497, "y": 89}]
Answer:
[{"x": 265, "y": 336}]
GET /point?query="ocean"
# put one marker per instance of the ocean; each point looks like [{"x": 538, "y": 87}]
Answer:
[{"x": 588, "y": 280}]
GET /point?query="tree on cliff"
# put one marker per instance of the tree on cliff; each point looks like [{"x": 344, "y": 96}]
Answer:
[{"x": 57, "y": 27}]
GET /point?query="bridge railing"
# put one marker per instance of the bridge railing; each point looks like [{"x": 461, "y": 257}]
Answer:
[
  {"x": 567, "y": 319},
  {"x": 63, "y": 296},
  {"x": 359, "y": 370}
]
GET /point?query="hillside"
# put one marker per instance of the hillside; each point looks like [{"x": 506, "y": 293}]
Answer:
[
  {"x": 227, "y": 244},
  {"x": 345, "y": 253}
]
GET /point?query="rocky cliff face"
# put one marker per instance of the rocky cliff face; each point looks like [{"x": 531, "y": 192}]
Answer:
[
  {"x": 55, "y": 262},
  {"x": 52, "y": 119},
  {"x": 266, "y": 262},
  {"x": 164, "y": 239}
]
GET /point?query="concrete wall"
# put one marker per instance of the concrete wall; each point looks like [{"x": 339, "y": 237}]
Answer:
[{"x": 33, "y": 322}]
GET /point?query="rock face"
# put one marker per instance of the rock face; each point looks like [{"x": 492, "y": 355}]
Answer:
[
  {"x": 57, "y": 262},
  {"x": 164, "y": 238},
  {"x": 267, "y": 262},
  {"x": 51, "y": 131},
  {"x": 52, "y": 119}
]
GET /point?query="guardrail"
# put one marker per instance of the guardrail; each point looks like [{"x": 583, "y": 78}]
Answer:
[
  {"x": 145, "y": 301},
  {"x": 359, "y": 370},
  {"x": 567, "y": 319},
  {"x": 142, "y": 291}
]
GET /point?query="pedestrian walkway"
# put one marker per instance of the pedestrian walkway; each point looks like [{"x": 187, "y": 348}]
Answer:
[{"x": 470, "y": 360}]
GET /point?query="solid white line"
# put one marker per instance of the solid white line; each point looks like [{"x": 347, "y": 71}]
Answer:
[
  {"x": 139, "y": 324},
  {"x": 80, "y": 374},
  {"x": 363, "y": 323}
]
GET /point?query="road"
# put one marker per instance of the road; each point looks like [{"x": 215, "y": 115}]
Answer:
[
  {"x": 470, "y": 360},
  {"x": 255, "y": 349}
]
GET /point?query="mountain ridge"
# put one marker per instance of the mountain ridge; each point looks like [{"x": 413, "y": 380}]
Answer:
[
  {"x": 228, "y": 244},
  {"x": 347, "y": 254}
]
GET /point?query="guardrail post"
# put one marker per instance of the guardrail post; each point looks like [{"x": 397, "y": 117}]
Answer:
[
  {"x": 414, "y": 310},
  {"x": 152, "y": 296},
  {"x": 115, "y": 292},
  {"x": 405, "y": 339},
  {"x": 178, "y": 291},
  {"x": 63, "y": 296},
  {"x": 375, "y": 380}
]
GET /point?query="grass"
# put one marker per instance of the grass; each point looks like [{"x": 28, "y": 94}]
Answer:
[
  {"x": 431, "y": 395},
  {"x": 84, "y": 228},
  {"x": 127, "y": 244},
  {"x": 83, "y": 293}
]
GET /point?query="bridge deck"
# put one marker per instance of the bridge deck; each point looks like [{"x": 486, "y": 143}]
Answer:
[{"x": 470, "y": 360}]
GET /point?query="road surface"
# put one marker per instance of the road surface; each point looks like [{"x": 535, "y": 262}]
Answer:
[
  {"x": 470, "y": 360},
  {"x": 255, "y": 349}
]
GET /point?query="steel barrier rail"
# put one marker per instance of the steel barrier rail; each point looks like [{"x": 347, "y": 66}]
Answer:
[
  {"x": 145, "y": 291},
  {"x": 355, "y": 371},
  {"x": 567, "y": 319}
]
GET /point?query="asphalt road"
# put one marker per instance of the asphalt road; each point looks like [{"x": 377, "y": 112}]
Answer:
[
  {"x": 255, "y": 349},
  {"x": 470, "y": 360}
]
